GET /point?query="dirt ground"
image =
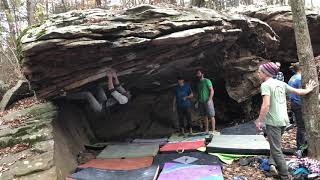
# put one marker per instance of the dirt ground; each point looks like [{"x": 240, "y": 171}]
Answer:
[{"x": 253, "y": 173}]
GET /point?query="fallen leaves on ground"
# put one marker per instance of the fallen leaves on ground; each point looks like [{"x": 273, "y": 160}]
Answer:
[
  {"x": 19, "y": 121},
  {"x": 254, "y": 173},
  {"x": 22, "y": 104},
  {"x": 14, "y": 149},
  {"x": 251, "y": 173},
  {"x": 289, "y": 139},
  {"x": 19, "y": 105}
]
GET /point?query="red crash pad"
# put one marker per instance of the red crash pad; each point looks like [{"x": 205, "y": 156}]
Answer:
[
  {"x": 182, "y": 146},
  {"x": 119, "y": 164}
]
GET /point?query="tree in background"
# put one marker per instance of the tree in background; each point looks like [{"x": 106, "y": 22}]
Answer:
[
  {"x": 310, "y": 103},
  {"x": 10, "y": 20},
  {"x": 31, "y": 12}
]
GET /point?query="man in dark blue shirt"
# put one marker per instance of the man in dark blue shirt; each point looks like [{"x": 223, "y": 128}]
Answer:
[
  {"x": 182, "y": 103},
  {"x": 295, "y": 81}
]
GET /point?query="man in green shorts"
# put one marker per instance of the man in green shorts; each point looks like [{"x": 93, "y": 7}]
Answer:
[
  {"x": 205, "y": 102},
  {"x": 274, "y": 114}
]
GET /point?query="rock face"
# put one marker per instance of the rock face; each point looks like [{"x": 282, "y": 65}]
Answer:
[
  {"x": 280, "y": 19},
  {"x": 149, "y": 46},
  {"x": 53, "y": 142}
]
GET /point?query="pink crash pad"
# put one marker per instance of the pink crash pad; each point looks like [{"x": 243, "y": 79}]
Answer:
[
  {"x": 182, "y": 146},
  {"x": 176, "y": 171}
]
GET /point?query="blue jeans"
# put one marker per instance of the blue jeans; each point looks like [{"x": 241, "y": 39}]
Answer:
[{"x": 301, "y": 130}]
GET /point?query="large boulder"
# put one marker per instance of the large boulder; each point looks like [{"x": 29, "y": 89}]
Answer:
[
  {"x": 280, "y": 19},
  {"x": 148, "y": 46},
  {"x": 42, "y": 142}
]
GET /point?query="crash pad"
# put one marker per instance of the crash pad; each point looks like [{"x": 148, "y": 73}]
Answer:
[
  {"x": 119, "y": 164},
  {"x": 102, "y": 145},
  {"x": 202, "y": 158},
  {"x": 175, "y": 171},
  {"x": 229, "y": 158},
  {"x": 248, "y": 128},
  {"x": 182, "y": 146},
  {"x": 239, "y": 144},
  {"x": 161, "y": 141},
  {"x": 177, "y": 138},
  {"x": 98, "y": 174},
  {"x": 129, "y": 151}
]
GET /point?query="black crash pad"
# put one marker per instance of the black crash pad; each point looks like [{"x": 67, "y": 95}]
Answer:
[
  {"x": 203, "y": 158},
  {"x": 248, "y": 128}
]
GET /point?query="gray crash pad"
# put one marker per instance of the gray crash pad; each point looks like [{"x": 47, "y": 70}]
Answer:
[
  {"x": 129, "y": 151},
  {"x": 239, "y": 144},
  {"x": 149, "y": 173},
  {"x": 248, "y": 128}
]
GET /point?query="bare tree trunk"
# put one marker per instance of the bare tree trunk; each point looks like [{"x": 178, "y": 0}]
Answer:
[
  {"x": 173, "y": 2},
  {"x": 282, "y": 2},
  {"x": 64, "y": 6},
  {"x": 182, "y": 3},
  {"x": 310, "y": 103},
  {"x": 15, "y": 17},
  {"x": 82, "y": 3},
  {"x": 198, "y": 3},
  {"x": 211, "y": 4},
  {"x": 9, "y": 17},
  {"x": 219, "y": 4},
  {"x": 270, "y": 2},
  {"x": 53, "y": 7},
  {"x": 248, "y": 2},
  {"x": 47, "y": 8},
  {"x": 30, "y": 12},
  {"x": 312, "y": 4},
  {"x": 98, "y": 3}
]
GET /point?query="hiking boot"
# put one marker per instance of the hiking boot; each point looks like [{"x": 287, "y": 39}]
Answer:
[{"x": 273, "y": 171}]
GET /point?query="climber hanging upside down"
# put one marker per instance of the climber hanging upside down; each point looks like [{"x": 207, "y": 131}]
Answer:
[{"x": 97, "y": 97}]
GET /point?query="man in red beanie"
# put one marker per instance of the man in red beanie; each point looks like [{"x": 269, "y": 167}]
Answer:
[{"x": 274, "y": 114}]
